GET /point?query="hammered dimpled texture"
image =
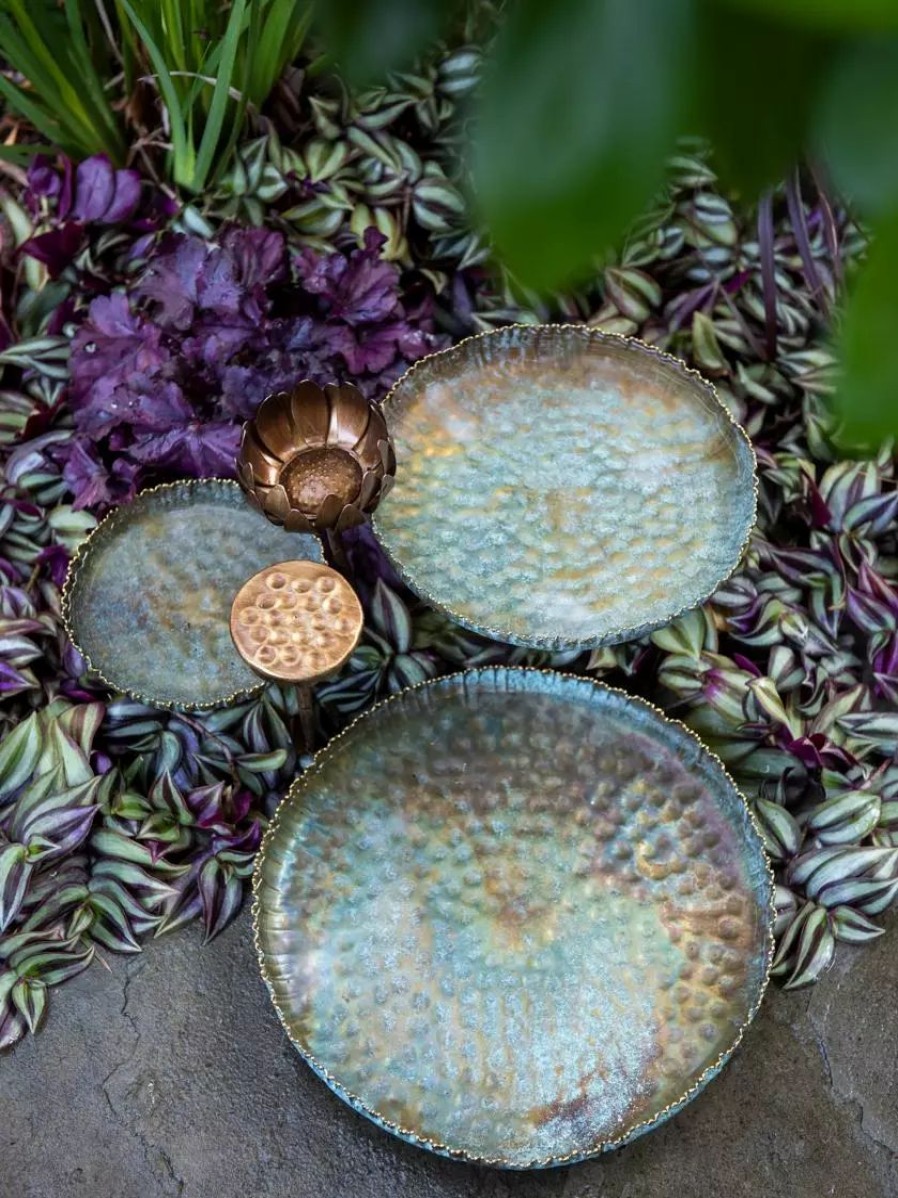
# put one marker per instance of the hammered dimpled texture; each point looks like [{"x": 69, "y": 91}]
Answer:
[
  {"x": 514, "y": 916},
  {"x": 149, "y": 597},
  {"x": 297, "y": 622},
  {"x": 561, "y": 487}
]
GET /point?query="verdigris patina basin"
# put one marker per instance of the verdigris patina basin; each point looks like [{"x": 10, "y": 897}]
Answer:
[
  {"x": 514, "y": 916},
  {"x": 561, "y": 487},
  {"x": 148, "y": 595}
]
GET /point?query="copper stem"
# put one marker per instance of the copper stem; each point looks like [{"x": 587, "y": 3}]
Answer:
[
  {"x": 305, "y": 729},
  {"x": 338, "y": 553}
]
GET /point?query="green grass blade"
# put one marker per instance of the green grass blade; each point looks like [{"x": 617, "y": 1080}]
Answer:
[
  {"x": 245, "y": 51},
  {"x": 46, "y": 53},
  {"x": 41, "y": 59},
  {"x": 18, "y": 52},
  {"x": 84, "y": 62},
  {"x": 220, "y": 96},
  {"x": 45, "y": 123},
  {"x": 22, "y": 155},
  {"x": 128, "y": 47},
  {"x": 183, "y": 155},
  {"x": 170, "y": 12},
  {"x": 273, "y": 43}
]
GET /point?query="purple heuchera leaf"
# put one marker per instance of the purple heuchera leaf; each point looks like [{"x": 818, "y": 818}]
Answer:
[
  {"x": 228, "y": 280},
  {"x": 113, "y": 349},
  {"x": 199, "y": 448},
  {"x": 86, "y": 476},
  {"x": 171, "y": 281},
  {"x": 358, "y": 289},
  {"x": 161, "y": 378},
  {"x": 373, "y": 350},
  {"x": 259, "y": 257},
  {"x": 218, "y": 288}
]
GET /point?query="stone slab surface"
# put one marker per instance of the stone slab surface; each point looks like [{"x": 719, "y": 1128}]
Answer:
[{"x": 168, "y": 1075}]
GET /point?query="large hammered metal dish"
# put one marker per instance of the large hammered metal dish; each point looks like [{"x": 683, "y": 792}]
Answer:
[
  {"x": 561, "y": 487},
  {"x": 148, "y": 596},
  {"x": 514, "y": 916}
]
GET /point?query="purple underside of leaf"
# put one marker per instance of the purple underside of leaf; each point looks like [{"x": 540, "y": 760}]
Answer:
[
  {"x": 13, "y": 680},
  {"x": 126, "y": 198},
  {"x": 94, "y": 188}
]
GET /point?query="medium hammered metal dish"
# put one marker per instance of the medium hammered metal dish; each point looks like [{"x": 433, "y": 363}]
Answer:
[
  {"x": 148, "y": 596},
  {"x": 514, "y": 916},
  {"x": 561, "y": 487}
]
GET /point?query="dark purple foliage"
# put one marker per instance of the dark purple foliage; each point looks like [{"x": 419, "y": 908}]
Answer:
[
  {"x": 93, "y": 196},
  {"x": 162, "y": 379},
  {"x": 94, "y": 191}
]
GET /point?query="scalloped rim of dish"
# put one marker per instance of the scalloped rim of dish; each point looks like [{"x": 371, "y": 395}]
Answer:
[
  {"x": 303, "y": 781},
  {"x": 613, "y": 636},
  {"x": 105, "y": 529}
]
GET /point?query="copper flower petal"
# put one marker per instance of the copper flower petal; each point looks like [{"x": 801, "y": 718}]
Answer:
[
  {"x": 271, "y": 425},
  {"x": 386, "y": 486},
  {"x": 245, "y": 475},
  {"x": 308, "y": 415},
  {"x": 387, "y": 456},
  {"x": 329, "y": 511},
  {"x": 369, "y": 490},
  {"x": 350, "y": 414},
  {"x": 265, "y": 467},
  {"x": 275, "y": 504},
  {"x": 254, "y": 499},
  {"x": 297, "y": 522},
  {"x": 350, "y": 517},
  {"x": 367, "y": 448}
]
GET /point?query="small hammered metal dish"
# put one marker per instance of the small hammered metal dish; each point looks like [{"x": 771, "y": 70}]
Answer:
[
  {"x": 148, "y": 595},
  {"x": 560, "y": 487},
  {"x": 296, "y": 622},
  {"x": 514, "y": 916}
]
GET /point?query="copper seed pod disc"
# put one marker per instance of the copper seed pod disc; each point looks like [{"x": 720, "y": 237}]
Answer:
[{"x": 296, "y": 622}]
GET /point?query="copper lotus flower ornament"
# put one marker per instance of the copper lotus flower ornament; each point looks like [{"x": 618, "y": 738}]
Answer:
[{"x": 316, "y": 459}]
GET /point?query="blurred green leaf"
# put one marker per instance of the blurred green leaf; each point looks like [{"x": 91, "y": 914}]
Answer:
[
  {"x": 827, "y": 14},
  {"x": 757, "y": 90},
  {"x": 867, "y": 397},
  {"x": 369, "y": 38},
  {"x": 220, "y": 96},
  {"x": 276, "y": 34},
  {"x": 857, "y": 128},
  {"x": 582, "y": 100},
  {"x": 46, "y": 43},
  {"x": 183, "y": 150}
]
